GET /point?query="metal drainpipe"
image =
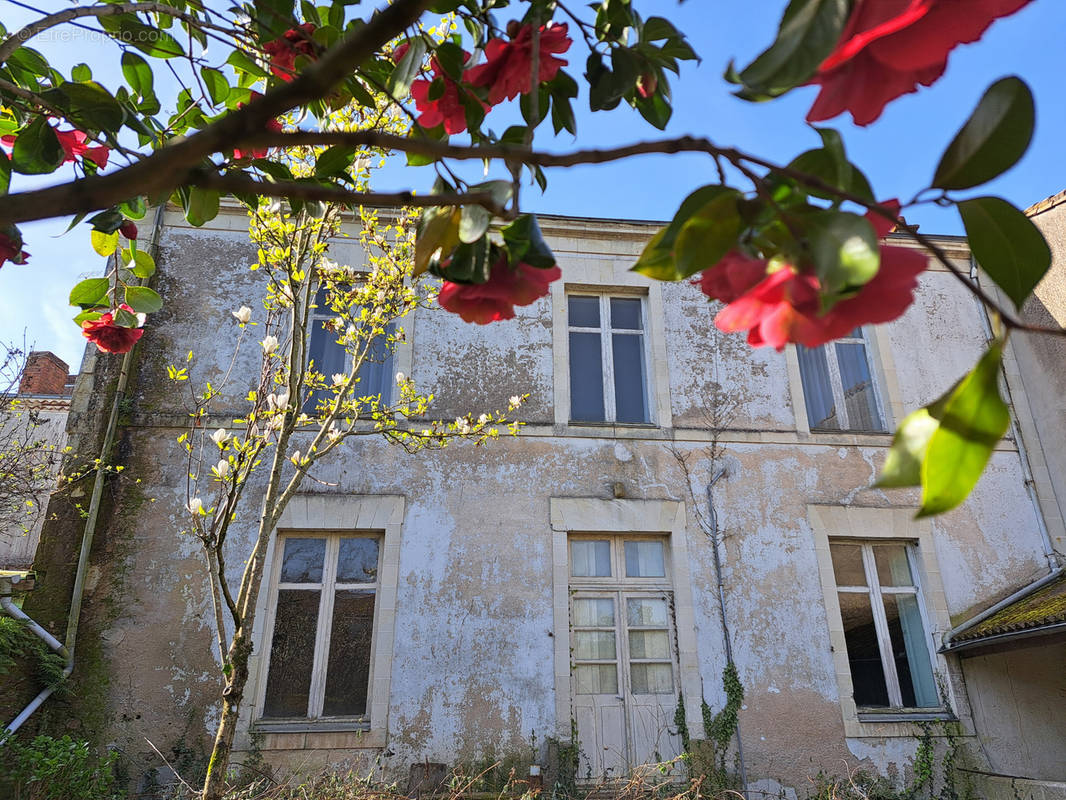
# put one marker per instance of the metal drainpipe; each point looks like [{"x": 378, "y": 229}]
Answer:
[
  {"x": 721, "y": 610},
  {"x": 74, "y": 616},
  {"x": 1023, "y": 454}
]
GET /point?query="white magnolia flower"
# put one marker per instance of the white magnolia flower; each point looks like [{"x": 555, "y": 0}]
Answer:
[
  {"x": 462, "y": 425},
  {"x": 275, "y": 423},
  {"x": 516, "y": 401},
  {"x": 282, "y": 400},
  {"x": 219, "y": 437},
  {"x": 243, "y": 315},
  {"x": 400, "y": 377},
  {"x": 196, "y": 506},
  {"x": 274, "y": 206},
  {"x": 329, "y": 265},
  {"x": 339, "y": 378},
  {"x": 270, "y": 344},
  {"x": 272, "y": 401},
  {"x": 222, "y": 469},
  {"x": 333, "y": 434},
  {"x": 295, "y": 458},
  {"x": 483, "y": 419},
  {"x": 361, "y": 163}
]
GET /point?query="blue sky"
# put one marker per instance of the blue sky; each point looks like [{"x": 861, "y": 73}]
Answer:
[{"x": 898, "y": 152}]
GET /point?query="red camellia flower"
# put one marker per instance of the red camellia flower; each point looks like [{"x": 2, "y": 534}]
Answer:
[
  {"x": 448, "y": 108},
  {"x": 496, "y": 298},
  {"x": 256, "y": 152},
  {"x": 74, "y": 145},
  {"x": 109, "y": 337},
  {"x": 11, "y": 250},
  {"x": 889, "y": 47},
  {"x": 128, "y": 229},
  {"x": 786, "y": 305},
  {"x": 284, "y": 49},
  {"x": 507, "y": 64}
]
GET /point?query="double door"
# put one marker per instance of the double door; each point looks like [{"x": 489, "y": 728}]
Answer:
[{"x": 624, "y": 680}]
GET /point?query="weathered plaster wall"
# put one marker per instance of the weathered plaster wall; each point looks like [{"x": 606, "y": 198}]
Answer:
[
  {"x": 1017, "y": 698},
  {"x": 472, "y": 663}
]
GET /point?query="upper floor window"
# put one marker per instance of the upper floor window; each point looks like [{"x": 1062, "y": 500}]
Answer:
[
  {"x": 321, "y": 628},
  {"x": 329, "y": 357},
  {"x": 881, "y": 611},
  {"x": 608, "y": 360},
  {"x": 838, "y": 386}
]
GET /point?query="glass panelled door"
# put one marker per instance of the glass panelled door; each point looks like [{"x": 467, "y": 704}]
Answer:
[{"x": 624, "y": 664}]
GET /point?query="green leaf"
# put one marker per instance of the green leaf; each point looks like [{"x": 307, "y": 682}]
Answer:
[
  {"x": 216, "y": 83},
  {"x": 134, "y": 208},
  {"x": 107, "y": 221},
  {"x": 143, "y": 263},
  {"x": 473, "y": 222},
  {"x": 707, "y": 235},
  {"x": 399, "y": 83},
  {"x": 903, "y": 464},
  {"x": 655, "y": 109},
  {"x": 90, "y": 293},
  {"x": 150, "y": 41},
  {"x": 243, "y": 63},
  {"x": 202, "y": 207},
  {"x": 81, "y": 72},
  {"x": 143, "y": 300},
  {"x": 524, "y": 243},
  {"x": 1007, "y": 245},
  {"x": 86, "y": 316},
  {"x": 809, "y": 31},
  {"x": 334, "y": 161},
  {"x": 974, "y": 419},
  {"x": 104, "y": 243},
  {"x": 438, "y": 231},
  {"x": 995, "y": 136},
  {"x": 36, "y": 149},
  {"x": 843, "y": 248},
  {"x": 137, "y": 73},
  {"x": 657, "y": 259},
  {"x": 89, "y": 105},
  {"x": 5, "y": 173}
]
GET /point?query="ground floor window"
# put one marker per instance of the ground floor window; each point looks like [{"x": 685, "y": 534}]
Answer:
[{"x": 321, "y": 628}]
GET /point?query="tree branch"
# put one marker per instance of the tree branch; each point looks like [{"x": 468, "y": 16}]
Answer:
[
  {"x": 238, "y": 183},
  {"x": 175, "y": 163}
]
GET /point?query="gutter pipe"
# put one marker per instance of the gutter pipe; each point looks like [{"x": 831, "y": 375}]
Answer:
[
  {"x": 74, "y": 615},
  {"x": 988, "y": 612},
  {"x": 1023, "y": 454}
]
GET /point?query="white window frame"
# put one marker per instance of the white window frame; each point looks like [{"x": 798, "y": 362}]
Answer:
[
  {"x": 836, "y": 384},
  {"x": 832, "y": 522},
  {"x": 606, "y": 332},
  {"x": 327, "y": 589},
  {"x": 876, "y": 592},
  {"x": 321, "y": 514}
]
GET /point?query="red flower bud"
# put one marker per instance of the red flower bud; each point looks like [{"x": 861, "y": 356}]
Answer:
[{"x": 128, "y": 229}]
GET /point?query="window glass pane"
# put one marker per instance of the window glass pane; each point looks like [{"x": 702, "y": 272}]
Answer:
[
  {"x": 590, "y": 559},
  {"x": 596, "y": 679},
  {"x": 645, "y": 611},
  {"x": 847, "y": 564},
  {"x": 651, "y": 678},
  {"x": 376, "y": 375},
  {"x": 326, "y": 356},
  {"x": 348, "y": 671},
  {"x": 292, "y": 652},
  {"x": 644, "y": 560},
  {"x": 586, "y": 377},
  {"x": 817, "y": 389},
  {"x": 302, "y": 562},
  {"x": 892, "y": 566},
  {"x": 594, "y": 644},
  {"x": 625, "y": 313},
  {"x": 864, "y": 656},
  {"x": 593, "y": 612},
  {"x": 649, "y": 644},
  {"x": 584, "y": 311},
  {"x": 910, "y": 652},
  {"x": 858, "y": 388},
  {"x": 357, "y": 560},
  {"x": 629, "y": 400}
]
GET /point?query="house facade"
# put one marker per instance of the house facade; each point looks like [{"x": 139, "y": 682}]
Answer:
[{"x": 675, "y": 496}]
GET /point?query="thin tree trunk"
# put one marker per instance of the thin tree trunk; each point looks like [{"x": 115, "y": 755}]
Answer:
[{"x": 218, "y": 766}]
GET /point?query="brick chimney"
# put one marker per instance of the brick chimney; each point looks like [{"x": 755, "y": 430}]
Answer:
[{"x": 45, "y": 373}]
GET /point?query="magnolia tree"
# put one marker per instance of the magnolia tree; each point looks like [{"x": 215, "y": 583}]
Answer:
[{"x": 297, "y": 416}]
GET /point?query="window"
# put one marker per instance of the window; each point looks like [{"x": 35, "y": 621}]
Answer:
[
  {"x": 881, "y": 608},
  {"x": 322, "y": 630},
  {"x": 608, "y": 362},
  {"x": 329, "y": 357},
  {"x": 838, "y": 387}
]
